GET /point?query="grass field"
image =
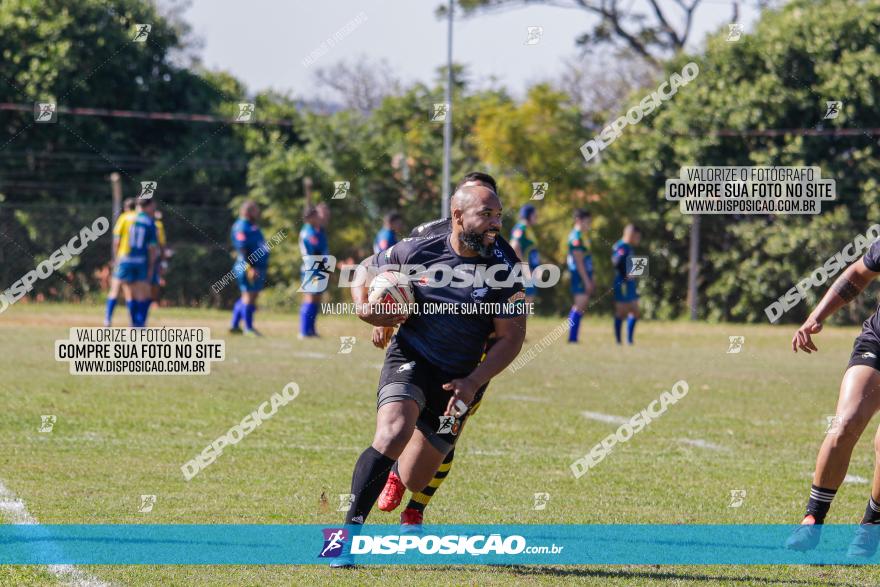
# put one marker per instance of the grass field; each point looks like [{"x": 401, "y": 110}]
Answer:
[{"x": 751, "y": 421}]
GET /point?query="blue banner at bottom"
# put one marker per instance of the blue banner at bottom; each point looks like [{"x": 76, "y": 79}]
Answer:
[{"x": 221, "y": 544}]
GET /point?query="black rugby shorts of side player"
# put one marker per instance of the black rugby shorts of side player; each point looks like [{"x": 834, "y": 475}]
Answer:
[
  {"x": 866, "y": 351},
  {"x": 406, "y": 375}
]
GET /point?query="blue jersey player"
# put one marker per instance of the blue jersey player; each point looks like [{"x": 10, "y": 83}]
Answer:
[
  {"x": 386, "y": 238},
  {"x": 580, "y": 264},
  {"x": 120, "y": 227},
  {"x": 312, "y": 244},
  {"x": 251, "y": 264},
  {"x": 626, "y": 299},
  {"x": 136, "y": 258}
]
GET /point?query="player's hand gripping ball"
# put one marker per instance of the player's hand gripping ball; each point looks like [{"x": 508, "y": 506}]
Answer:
[{"x": 392, "y": 293}]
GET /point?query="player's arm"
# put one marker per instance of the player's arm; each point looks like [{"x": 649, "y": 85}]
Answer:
[
  {"x": 360, "y": 295},
  {"x": 524, "y": 265},
  {"x": 619, "y": 262},
  {"x": 117, "y": 234},
  {"x": 153, "y": 255},
  {"x": 152, "y": 252},
  {"x": 845, "y": 289},
  {"x": 509, "y": 335},
  {"x": 579, "y": 263}
]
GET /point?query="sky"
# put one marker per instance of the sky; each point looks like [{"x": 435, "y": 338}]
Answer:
[{"x": 265, "y": 42}]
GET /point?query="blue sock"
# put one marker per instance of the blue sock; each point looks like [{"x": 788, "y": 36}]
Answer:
[
  {"x": 304, "y": 312},
  {"x": 140, "y": 317},
  {"x": 237, "y": 313},
  {"x": 574, "y": 319},
  {"x": 630, "y": 328},
  {"x": 313, "y": 317},
  {"x": 145, "y": 309},
  {"x": 249, "y": 310},
  {"x": 132, "y": 312},
  {"x": 618, "y": 322},
  {"x": 111, "y": 305}
]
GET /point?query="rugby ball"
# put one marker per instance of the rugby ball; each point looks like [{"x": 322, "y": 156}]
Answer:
[{"x": 392, "y": 289}]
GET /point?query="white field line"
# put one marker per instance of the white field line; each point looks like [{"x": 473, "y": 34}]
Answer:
[
  {"x": 523, "y": 398},
  {"x": 15, "y": 511},
  {"x": 607, "y": 418},
  {"x": 855, "y": 479},
  {"x": 700, "y": 443}
]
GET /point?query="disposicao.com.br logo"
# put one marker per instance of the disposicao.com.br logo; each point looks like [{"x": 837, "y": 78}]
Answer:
[{"x": 432, "y": 544}]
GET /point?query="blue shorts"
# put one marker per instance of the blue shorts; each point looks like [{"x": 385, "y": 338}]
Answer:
[
  {"x": 530, "y": 290},
  {"x": 131, "y": 272},
  {"x": 577, "y": 285},
  {"x": 625, "y": 291},
  {"x": 246, "y": 284}
]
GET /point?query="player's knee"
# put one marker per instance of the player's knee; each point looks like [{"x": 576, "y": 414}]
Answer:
[
  {"x": 391, "y": 437},
  {"x": 848, "y": 429}
]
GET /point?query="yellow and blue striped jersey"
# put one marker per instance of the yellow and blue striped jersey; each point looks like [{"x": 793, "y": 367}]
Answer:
[{"x": 121, "y": 230}]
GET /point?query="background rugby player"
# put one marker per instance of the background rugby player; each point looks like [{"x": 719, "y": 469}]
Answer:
[
  {"x": 394, "y": 489},
  {"x": 136, "y": 260},
  {"x": 525, "y": 248},
  {"x": 626, "y": 298},
  {"x": 251, "y": 264},
  {"x": 158, "y": 281},
  {"x": 120, "y": 228},
  {"x": 386, "y": 238},
  {"x": 580, "y": 265},
  {"x": 312, "y": 241},
  {"x": 434, "y": 359},
  {"x": 858, "y": 401}
]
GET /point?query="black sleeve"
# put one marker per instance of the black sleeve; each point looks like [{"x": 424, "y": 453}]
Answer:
[
  {"x": 872, "y": 257},
  {"x": 393, "y": 255},
  {"x": 432, "y": 228}
]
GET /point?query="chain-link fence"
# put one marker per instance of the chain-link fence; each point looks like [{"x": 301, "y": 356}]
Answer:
[{"x": 198, "y": 245}]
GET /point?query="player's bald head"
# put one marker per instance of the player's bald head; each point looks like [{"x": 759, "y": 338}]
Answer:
[{"x": 474, "y": 196}]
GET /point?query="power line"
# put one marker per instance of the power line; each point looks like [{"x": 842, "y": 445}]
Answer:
[
  {"x": 121, "y": 158},
  {"x": 113, "y": 113}
]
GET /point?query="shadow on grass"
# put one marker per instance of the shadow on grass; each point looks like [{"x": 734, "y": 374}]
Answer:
[{"x": 643, "y": 572}]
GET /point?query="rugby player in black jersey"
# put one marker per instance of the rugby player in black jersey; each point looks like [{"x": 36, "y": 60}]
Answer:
[
  {"x": 433, "y": 362},
  {"x": 392, "y": 494},
  {"x": 858, "y": 401}
]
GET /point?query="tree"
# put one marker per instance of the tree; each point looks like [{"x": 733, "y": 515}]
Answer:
[
  {"x": 646, "y": 28},
  {"x": 359, "y": 85},
  {"x": 777, "y": 78},
  {"x": 54, "y": 177}
]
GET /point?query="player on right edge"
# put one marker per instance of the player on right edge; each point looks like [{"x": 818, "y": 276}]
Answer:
[{"x": 857, "y": 402}]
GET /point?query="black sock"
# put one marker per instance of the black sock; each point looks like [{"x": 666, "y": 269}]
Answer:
[
  {"x": 872, "y": 512},
  {"x": 820, "y": 502},
  {"x": 369, "y": 477}
]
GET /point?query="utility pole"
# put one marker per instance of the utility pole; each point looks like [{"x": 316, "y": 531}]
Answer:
[
  {"x": 116, "y": 191},
  {"x": 447, "y": 123},
  {"x": 307, "y": 190},
  {"x": 694, "y": 266}
]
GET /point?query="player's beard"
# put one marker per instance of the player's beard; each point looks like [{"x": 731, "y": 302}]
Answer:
[{"x": 476, "y": 241}]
